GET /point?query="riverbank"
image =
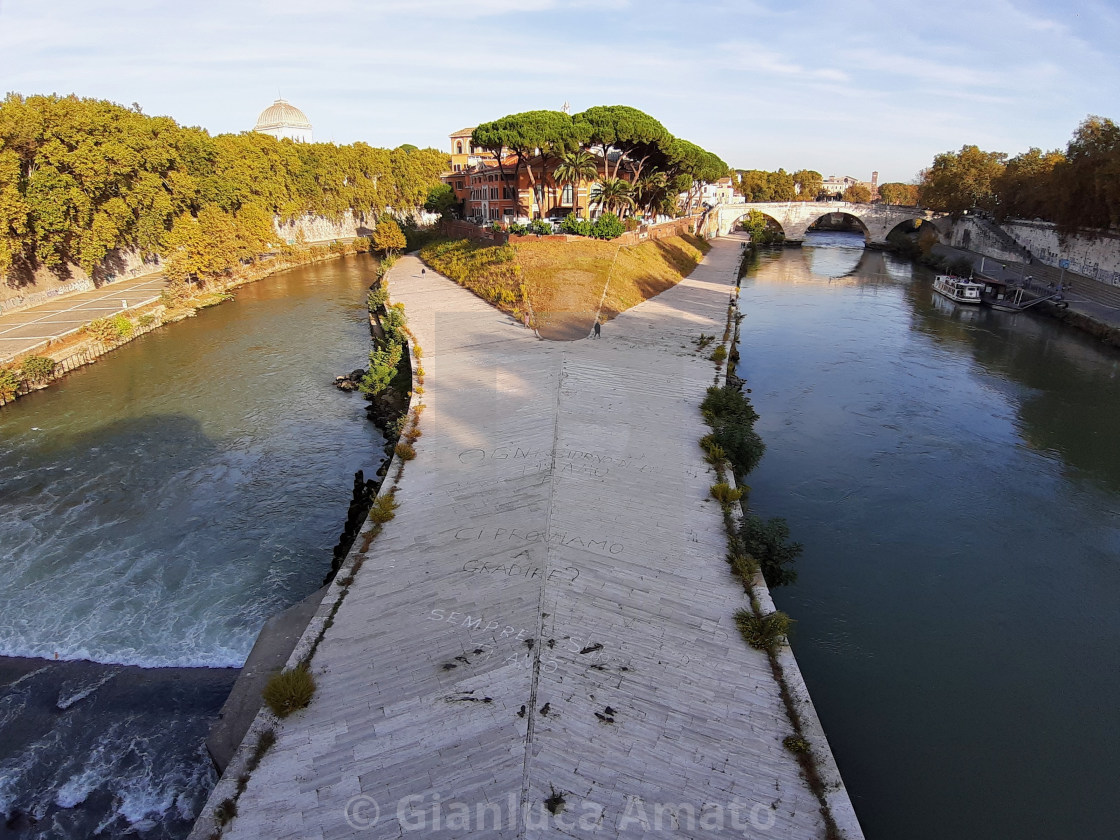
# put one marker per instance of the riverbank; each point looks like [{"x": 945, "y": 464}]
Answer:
[{"x": 75, "y": 348}]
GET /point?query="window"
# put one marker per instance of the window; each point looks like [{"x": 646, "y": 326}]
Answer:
[
  {"x": 458, "y": 184},
  {"x": 458, "y": 168},
  {"x": 566, "y": 194},
  {"x": 494, "y": 214},
  {"x": 508, "y": 212},
  {"x": 494, "y": 193},
  {"x": 459, "y": 148},
  {"x": 507, "y": 192}
]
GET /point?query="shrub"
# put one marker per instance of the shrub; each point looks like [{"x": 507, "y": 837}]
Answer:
[
  {"x": 719, "y": 355},
  {"x": 102, "y": 330},
  {"x": 725, "y": 494},
  {"x": 288, "y": 691},
  {"x": 122, "y": 325},
  {"x": 574, "y": 225},
  {"x": 146, "y": 319},
  {"x": 732, "y": 419},
  {"x": 10, "y": 383},
  {"x": 607, "y": 226},
  {"x": 540, "y": 227},
  {"x": 497, "y": 227},
  {"x": 715, "y": 454},
  {"x": 37, "y": 368},
  {"x": 405, "y": 451},
  {"x": 745, "y": 566},
  {"x": 631, "y": 223},
  {"x": 769, "y": 543},
  {"x": 763, "y": 632},
  {"x": 518, "y": 228},
  {"x": 226, "y": 811},
  {"x": 383, "y": 508},
  {"x": 796, "y": 744}
]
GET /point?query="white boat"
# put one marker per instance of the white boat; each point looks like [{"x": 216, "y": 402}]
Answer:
[{"x": 957, "y": 289}]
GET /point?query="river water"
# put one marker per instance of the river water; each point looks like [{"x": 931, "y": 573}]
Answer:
[
  {"x": 155, "y": 509},
  {"x": 954, "y": 476}
]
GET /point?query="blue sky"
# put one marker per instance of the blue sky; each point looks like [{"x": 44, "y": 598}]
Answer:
[{"x": 841, "y": 86}]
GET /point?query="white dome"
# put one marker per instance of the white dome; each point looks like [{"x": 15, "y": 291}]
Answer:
[{"x": 282, "y": 119}]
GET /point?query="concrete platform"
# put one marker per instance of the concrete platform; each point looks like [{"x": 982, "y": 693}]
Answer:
[{"x": 550, "y": 614}]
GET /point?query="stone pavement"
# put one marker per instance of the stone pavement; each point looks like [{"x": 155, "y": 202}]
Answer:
[
  {"x": 34, "y": 327},
  {"x": 550, "y": 614}
]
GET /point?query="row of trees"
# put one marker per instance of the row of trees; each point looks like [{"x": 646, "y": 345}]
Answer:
[
  {"x": 1078, "y": 188},
  {"x": 80, "y": 178},
  {"x": 636, "y": 162}
]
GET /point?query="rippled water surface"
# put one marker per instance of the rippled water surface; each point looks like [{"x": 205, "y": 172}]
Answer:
[
  {"x": 954, "y": 475},
  {"x": 155, "y": 509}
]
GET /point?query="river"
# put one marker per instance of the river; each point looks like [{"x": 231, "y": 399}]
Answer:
[
  {"x": 954, "y": 476},
  {"x": 155, "y": 509}
]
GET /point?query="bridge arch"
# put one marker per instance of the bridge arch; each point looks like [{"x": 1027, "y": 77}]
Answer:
[
  {"x": 794, "y": 217},
  {"x": 771, "y": 221}
]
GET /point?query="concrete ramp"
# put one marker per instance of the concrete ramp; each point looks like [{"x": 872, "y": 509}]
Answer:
[{"x": 542, "y": 642}]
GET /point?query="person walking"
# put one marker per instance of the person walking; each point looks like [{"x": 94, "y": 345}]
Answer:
[{"x": 597, "y": 329}]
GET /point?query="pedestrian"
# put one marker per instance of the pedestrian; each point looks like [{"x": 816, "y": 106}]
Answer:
[{"x": 597, "y": 329}]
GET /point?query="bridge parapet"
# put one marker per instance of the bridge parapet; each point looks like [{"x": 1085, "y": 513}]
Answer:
[{"x": 795, "y": 217}]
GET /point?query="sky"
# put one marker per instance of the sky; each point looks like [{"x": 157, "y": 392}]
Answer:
[{"x": 844, "y": 87}]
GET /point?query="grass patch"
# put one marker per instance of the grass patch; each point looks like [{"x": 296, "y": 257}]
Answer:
[
  {"x": 730, "y": 414},
  {"x": 405, "y": 451},
  {"x": 725, "y": 494},
  {"x": 288, "y": 691},
  {"x": 226, "y": 811},
  {"x": 383, "y": 509},
  {"x": 490, "y": 271}
]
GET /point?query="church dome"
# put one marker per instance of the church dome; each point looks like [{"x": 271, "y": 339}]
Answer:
[{"x": 279, "y": 115}]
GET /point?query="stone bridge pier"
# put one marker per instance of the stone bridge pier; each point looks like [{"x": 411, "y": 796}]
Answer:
[{"x": 795, "y": 217}]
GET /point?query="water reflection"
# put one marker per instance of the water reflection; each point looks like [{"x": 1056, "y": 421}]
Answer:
[{"x": 954, "y": 478}]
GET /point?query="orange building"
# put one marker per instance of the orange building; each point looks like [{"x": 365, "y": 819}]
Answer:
[{"x": 487, "y": 193}]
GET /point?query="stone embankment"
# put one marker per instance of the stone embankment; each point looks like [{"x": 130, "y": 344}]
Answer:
[{"x": 542, "y": 640}]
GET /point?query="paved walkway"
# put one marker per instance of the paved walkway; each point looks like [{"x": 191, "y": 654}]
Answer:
[
  {"x": 550, "y": 614},
  {"x": 34, "y": 327}
]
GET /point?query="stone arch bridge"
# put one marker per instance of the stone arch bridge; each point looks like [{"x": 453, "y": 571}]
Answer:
[{"x": 795, "y": 217}]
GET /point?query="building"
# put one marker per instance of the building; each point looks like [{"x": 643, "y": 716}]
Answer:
[
  {"x": 486, "y": 192},
  {"x": 282, "y": 119},
  {"x": 835, "y": 186}
]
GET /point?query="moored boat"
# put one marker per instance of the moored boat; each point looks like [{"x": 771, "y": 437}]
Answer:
[{"x": 957, "y": 289}]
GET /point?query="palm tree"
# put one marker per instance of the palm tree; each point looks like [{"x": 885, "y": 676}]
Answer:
[
  {"x": 614, "y": 192},
  {"x": 574, "y": 168},
  {"x": 651, "y": 189}
]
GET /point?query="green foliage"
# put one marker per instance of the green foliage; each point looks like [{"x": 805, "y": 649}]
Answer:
[
  {"x": 759, "y": 185},
  {"x": 762, "y": 229},
  {"x": 797, "y": 744},
  {"x": 857, "y": 194},
  {"x": 745, "y": 566},
  {"x": 576, "y": 226},
  {"x": 80, "y": 178},
  {"x": 122, "y": 325},
  {"x": 725, "y": 494},
  {"x": 383, "y": 509},
  {"x": 732, "y": 417},
  {"x": 768, "y": 542},
  {"x": 441, "y": 199},
  {"x": 288, "y": 691},
  {"x": 10, "y": 383},
  {"x": 808, "y": 183},
  {"x": 405, "y": 451},
  {"x": 540, "y": 227},
  {"x": 575, "y": 167},
  {"x": 37, "y": 368},
  {"x": 490, "y": 271},
  {"x": 893, "y": 192},
  {"x": 607, "y": 226},
  {"x": 960, "y": 181},
  {"x": 388, "y": 238},
  {"x": 764, "y": 632},
  {"x": 518, "y": 229},
  {"x": 102, "y": 329},
  {"x": 719, "y": 355}
]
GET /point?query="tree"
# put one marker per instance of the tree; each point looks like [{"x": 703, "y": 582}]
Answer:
[
  {"x": 857, "y": 194},
  {"x": 388, "y": 238},
  {"x": 575, "y": 167},
  {"x": 808, "y": 183},
  {"x": 441, "y": 199},
  {"x": 634, "y": 134},
  {"x": 613, "y": 193},
  {"x": 961, "y": 181},
  {"x": 1088, "y": 181},
  {"x": 895, "y": 192}
]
